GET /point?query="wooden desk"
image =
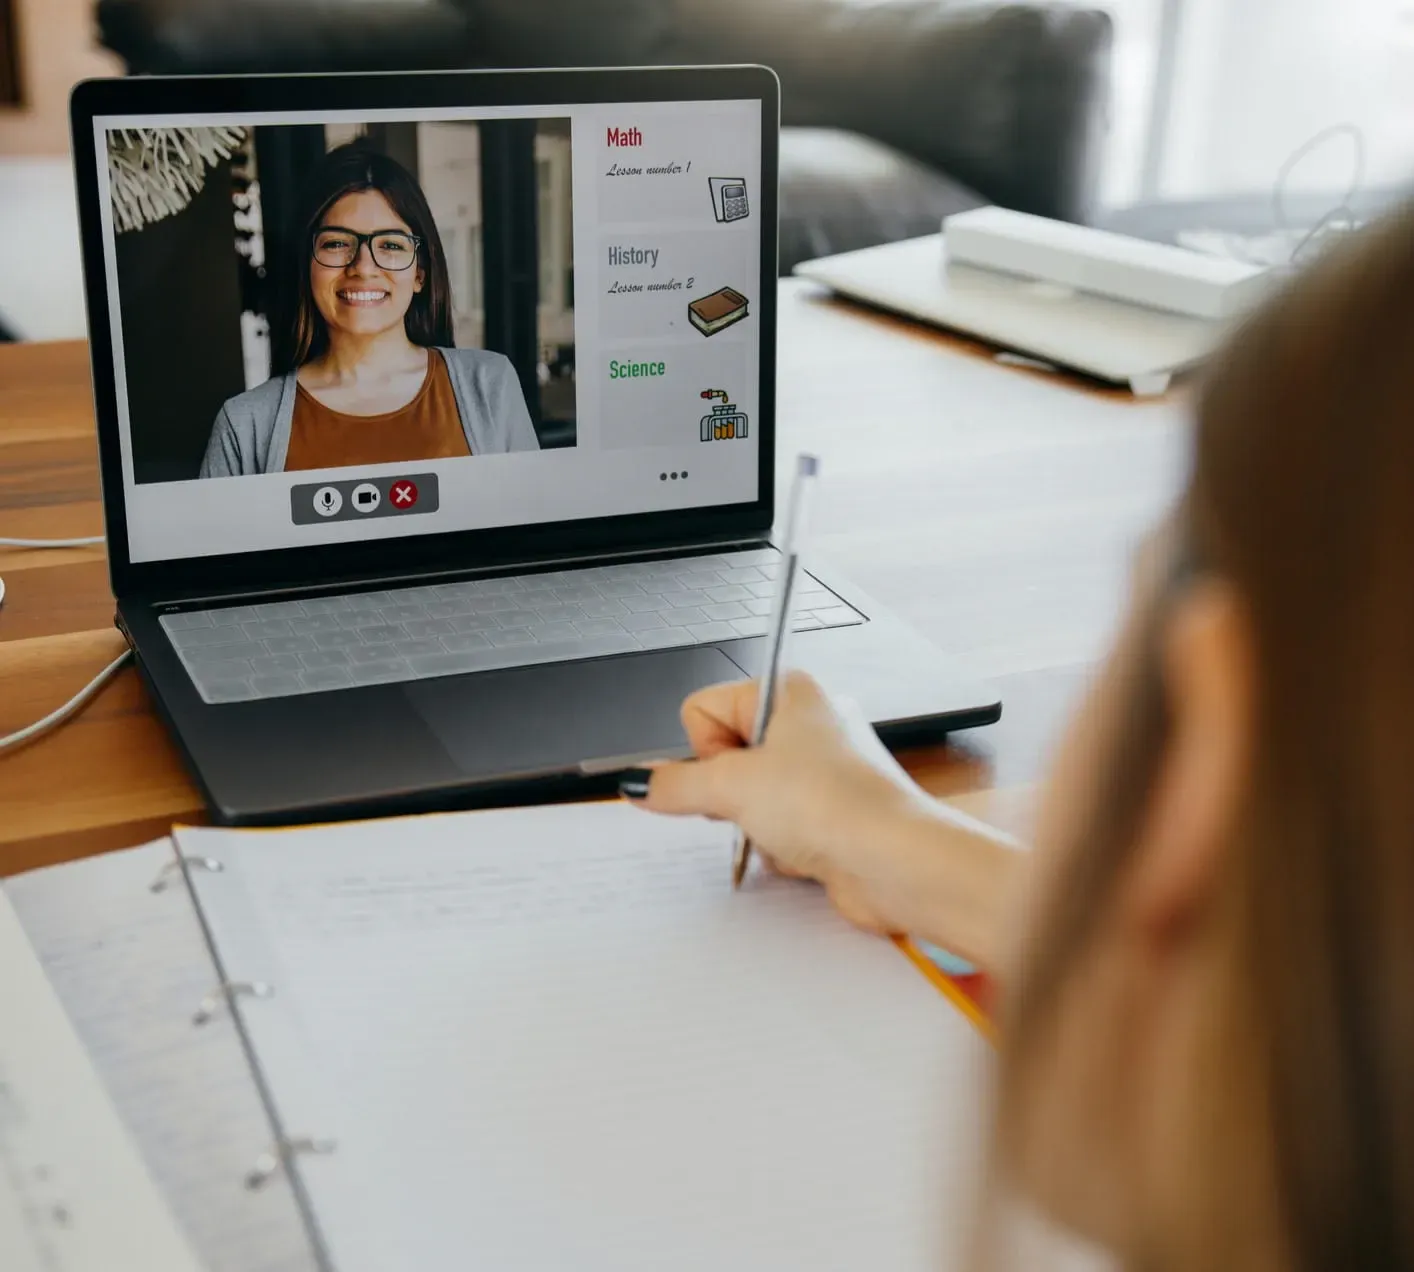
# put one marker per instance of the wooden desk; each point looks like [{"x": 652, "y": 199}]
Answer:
[{"x": 993, "y": 508}]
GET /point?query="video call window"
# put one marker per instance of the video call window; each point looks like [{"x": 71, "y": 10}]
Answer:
[{"x": 325, "y": 296}]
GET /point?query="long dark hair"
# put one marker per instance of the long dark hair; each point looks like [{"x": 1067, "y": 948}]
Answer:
[{"x": 300, "y": 333}]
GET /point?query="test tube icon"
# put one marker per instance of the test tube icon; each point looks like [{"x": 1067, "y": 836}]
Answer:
[{"x": 726, "y": 422}]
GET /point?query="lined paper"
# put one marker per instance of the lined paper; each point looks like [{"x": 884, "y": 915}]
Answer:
[
  {"x": 74, "y": 1196},
  {"x": 554, "y": 1038},
  {"x": 130, "y": 967}
]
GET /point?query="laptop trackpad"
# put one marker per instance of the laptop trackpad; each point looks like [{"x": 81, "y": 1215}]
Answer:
[{"x": 559, "y": 715}]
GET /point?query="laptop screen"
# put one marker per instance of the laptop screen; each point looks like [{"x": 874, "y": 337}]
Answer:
[{"x": 335, "y": 327}]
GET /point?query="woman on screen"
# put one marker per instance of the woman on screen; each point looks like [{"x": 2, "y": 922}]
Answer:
[{"x": 373, "y": 377}]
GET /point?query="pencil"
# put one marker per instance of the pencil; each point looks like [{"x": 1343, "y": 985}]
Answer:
[{"x": 806, "y": 469}]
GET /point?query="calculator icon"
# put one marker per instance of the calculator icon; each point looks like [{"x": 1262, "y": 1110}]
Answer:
[{"x": 728, "y": 198}]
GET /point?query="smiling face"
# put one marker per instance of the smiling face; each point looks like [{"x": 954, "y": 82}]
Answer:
[{"x": 363, "y": 298}]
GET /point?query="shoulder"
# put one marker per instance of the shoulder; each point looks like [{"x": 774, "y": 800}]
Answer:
[
  {"x": 477, "y": 363},
  {"x": 256, "y": 404}
]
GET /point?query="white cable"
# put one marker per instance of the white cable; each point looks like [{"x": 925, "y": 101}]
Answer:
[
  {"x": 1288, "y": 246},
  {"x": 1355, "y": 135},
  {"x": 74, "y": 704},
  {"x": 82, "y": 698},
  {"x": 1340, "y": 219}
]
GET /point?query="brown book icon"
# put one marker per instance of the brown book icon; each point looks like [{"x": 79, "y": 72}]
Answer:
[{"x": 722, "y": 308}]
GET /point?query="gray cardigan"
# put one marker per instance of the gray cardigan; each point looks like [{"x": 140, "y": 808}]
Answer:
[{"x": 252, "y": 432}]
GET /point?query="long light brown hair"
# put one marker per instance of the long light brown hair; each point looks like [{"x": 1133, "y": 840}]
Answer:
[{"x": 1302, "y": 497}]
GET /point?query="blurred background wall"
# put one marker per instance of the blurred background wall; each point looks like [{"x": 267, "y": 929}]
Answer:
[
  {"x": 1209, "y": 95},
  {"x": 1169, "y": 119},
  {"x": 56, "y": 46}
]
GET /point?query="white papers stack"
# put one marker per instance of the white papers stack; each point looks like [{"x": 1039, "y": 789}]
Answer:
[
  {"x": 74, "y": 1196},
  {"x": 555, "y": 1038},
  {"x": 130, "y": 967}
]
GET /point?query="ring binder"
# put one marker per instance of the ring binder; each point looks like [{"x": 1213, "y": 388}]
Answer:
[
  {"x": 164, "y": 876},
  {"x": 213, "y": 1002},
  {"x": 271, "y": 1162}
]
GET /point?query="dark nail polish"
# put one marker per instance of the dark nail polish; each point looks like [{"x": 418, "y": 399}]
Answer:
[{"x": 634, "y": 783}]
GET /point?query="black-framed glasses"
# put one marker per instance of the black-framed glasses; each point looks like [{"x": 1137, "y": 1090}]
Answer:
[{"x": 336, "y": 247}]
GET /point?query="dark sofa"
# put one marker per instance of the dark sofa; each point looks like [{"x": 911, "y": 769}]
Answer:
[{"x": 896, "y": 112}]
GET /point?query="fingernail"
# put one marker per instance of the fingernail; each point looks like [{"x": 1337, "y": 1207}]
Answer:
[{"x": 634, "y": 783}]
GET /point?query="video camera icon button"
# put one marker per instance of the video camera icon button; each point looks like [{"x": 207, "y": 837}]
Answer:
[
  {"x": 327, "y": 501},
  {"x": 366, "y": 497}
]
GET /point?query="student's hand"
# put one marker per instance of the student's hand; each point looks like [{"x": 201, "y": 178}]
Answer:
[{"x": 813, "y": 805}]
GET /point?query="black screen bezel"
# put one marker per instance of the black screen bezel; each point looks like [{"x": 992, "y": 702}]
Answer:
[{"x": 451, "y": 550}]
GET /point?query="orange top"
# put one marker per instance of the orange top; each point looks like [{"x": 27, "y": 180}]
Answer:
[{"x": 428, "y": 427}]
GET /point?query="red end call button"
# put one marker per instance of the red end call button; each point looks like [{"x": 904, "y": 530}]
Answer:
[{"x": 402, "y": 494}]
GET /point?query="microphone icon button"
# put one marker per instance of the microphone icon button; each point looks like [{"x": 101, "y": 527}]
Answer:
[{"x": 328, "y": 501}]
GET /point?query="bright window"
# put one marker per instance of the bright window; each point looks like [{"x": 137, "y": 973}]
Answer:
[{"x": 1211, "y": 96}]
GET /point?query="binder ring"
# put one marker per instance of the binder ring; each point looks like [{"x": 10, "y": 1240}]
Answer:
[
  {"x": 164, "y": 876},
  {"x": 213, "y": 1002},
  {"x": 271, "y": 1162}
]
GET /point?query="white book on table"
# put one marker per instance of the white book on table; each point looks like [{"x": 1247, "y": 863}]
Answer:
[{"x": 556, "y": 1039}]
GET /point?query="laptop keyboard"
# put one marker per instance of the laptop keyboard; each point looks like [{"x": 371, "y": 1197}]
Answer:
[{"x": 238, "y": 653}]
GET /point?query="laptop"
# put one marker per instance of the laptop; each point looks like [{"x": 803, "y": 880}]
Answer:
[
  {"x": 1111, "y": 340},
  {"x": 436, "y": 421}
]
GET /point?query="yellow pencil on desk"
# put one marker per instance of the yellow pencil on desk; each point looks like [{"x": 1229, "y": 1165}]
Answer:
[{"x": 806, "y": 469}]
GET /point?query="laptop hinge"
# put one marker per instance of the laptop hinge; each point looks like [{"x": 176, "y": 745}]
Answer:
[{"x": 578, "y": 560}]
